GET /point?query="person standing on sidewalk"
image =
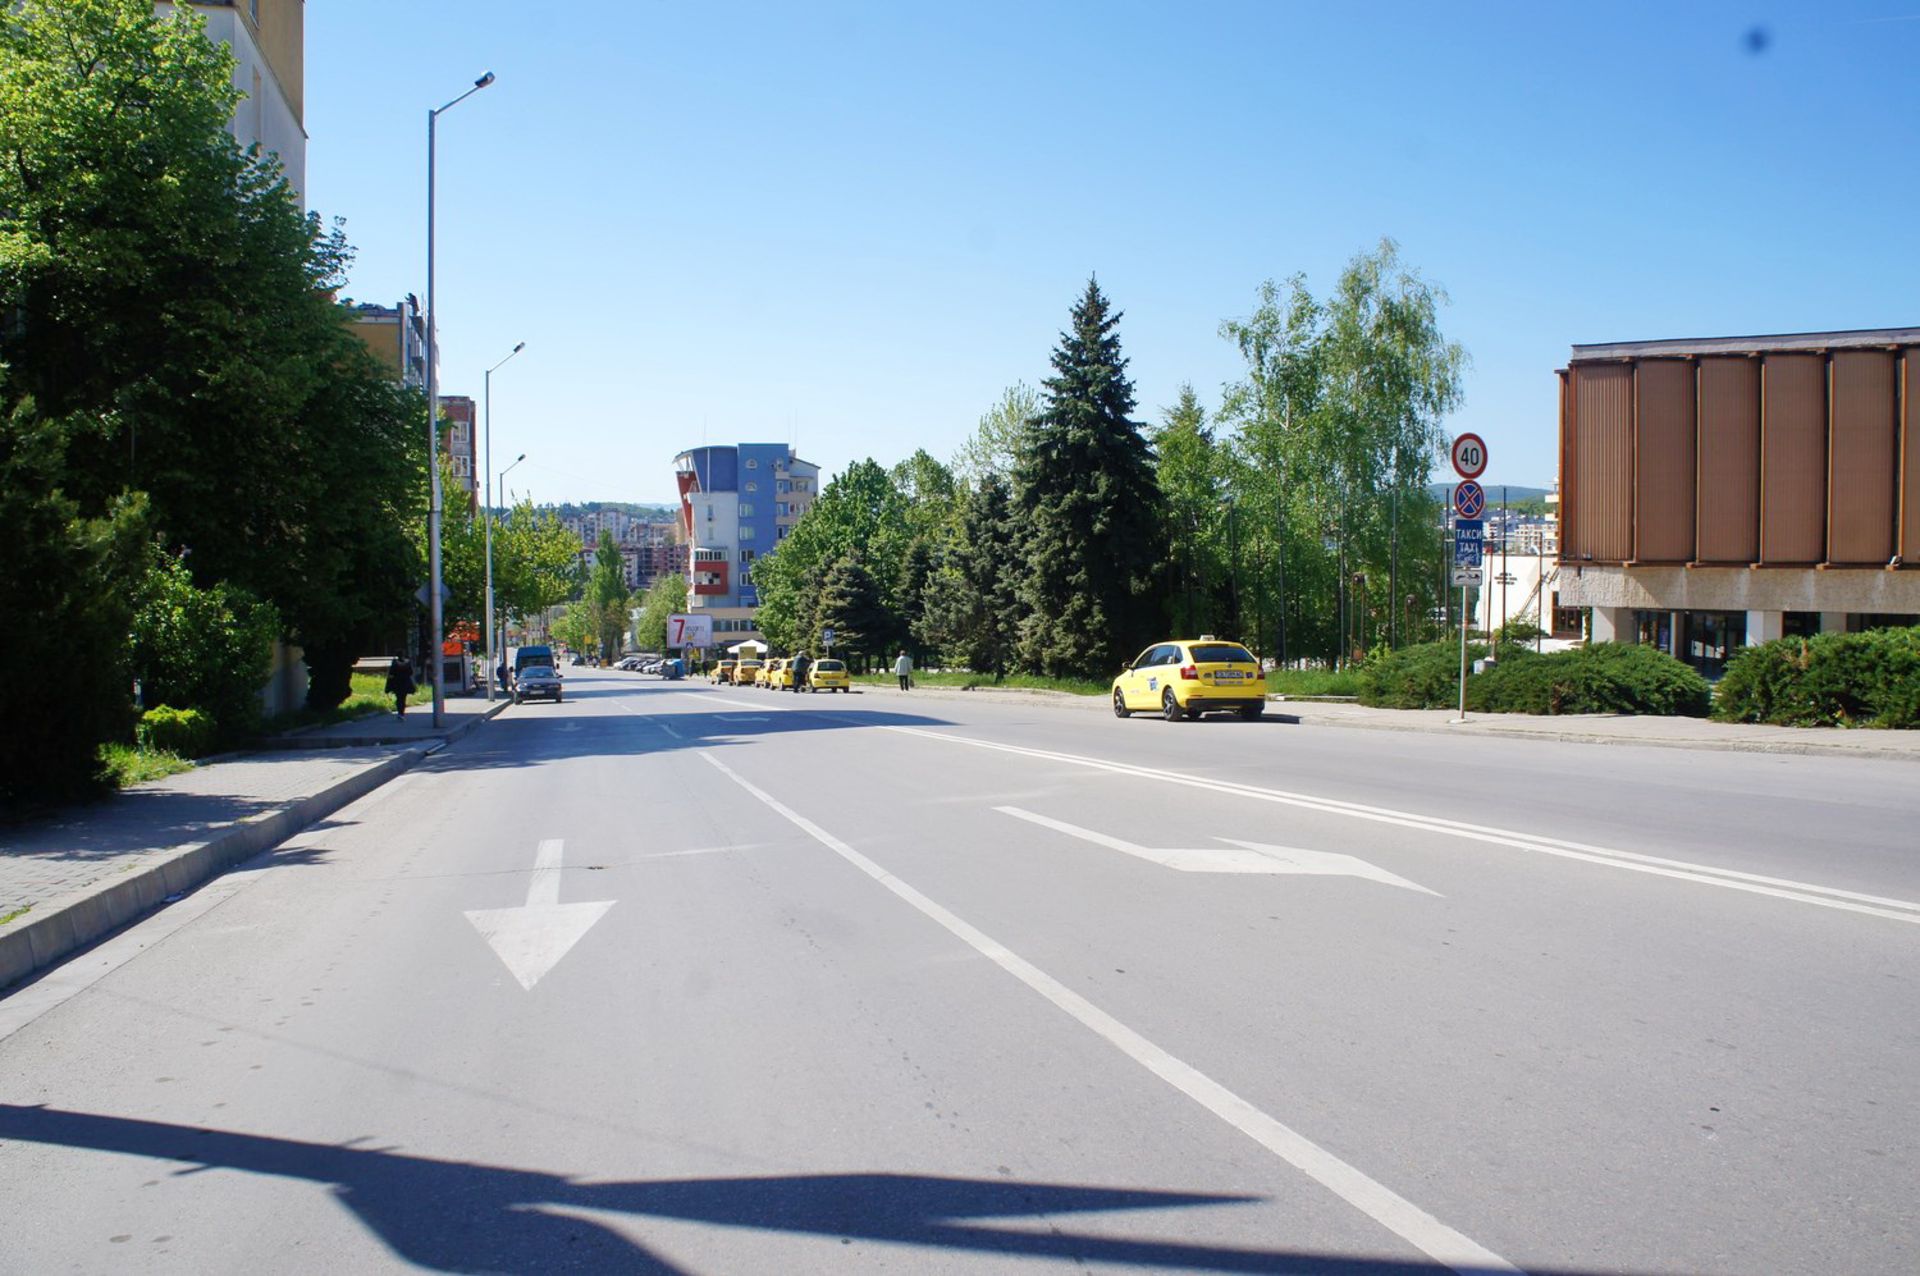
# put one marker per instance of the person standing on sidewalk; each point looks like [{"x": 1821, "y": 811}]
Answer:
[
  {"x": 903, "y": 669},
  {"x": 400, "y": 685}
]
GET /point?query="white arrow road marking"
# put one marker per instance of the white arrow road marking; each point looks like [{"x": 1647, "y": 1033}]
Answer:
[
  {"x": 1899, "y": 910},
  {"x": 1235, "y": 857},
  {"x": 533, "y": 938},
  {"x": 1374, "y": 1199}
]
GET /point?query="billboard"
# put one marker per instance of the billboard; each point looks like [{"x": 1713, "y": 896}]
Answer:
[{"x": 685, "y": 630}]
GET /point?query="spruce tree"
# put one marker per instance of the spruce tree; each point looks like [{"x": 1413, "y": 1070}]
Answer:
[{"x": 1089, "y": 509}]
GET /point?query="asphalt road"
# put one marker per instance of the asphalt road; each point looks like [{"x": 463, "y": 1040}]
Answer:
[{"x": 680, "y": 979}]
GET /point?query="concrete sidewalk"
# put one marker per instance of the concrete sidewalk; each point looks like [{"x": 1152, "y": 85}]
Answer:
[
  {"x": 1653, "y": 732},
  {"x": 462, "y": 714},
  {"x": 82, "y": 873}
]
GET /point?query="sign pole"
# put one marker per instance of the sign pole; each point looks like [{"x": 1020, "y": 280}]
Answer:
[{"x": 1463, "y": 654}]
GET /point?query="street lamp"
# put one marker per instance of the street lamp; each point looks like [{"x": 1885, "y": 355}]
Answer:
[
  {"x": 434, "y": 615},
  {"x": 486, "y": 466},
  {"x": 503, "y": 626}
]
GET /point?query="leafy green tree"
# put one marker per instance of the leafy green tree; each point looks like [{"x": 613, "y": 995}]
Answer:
[
  {"x": 607, "y": 596},
  {"x": 666, "y": 596},
  {"x": 1336, "y": 427},
  {"x": 536, "y": 561},
  {"x": 1191, "y": 484},
  {"x": 1089, "y": 508},
  {"x": 170, "y": 302},
  {"x": 861, "y": 514},
  {"x": 69, "y": 583},
  {"x": 995, "y": 445},
  {"x": 576, "y": 627},
  {"x": 207, "y": 649}
]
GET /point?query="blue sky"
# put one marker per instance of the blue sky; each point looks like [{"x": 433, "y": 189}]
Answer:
[{"x": 852, "y": 226}]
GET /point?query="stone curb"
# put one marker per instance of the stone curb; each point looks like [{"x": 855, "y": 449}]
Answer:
[{"x": 60, "y": 926}]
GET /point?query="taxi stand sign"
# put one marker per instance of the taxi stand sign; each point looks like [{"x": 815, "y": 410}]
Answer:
[{"x": 1469, "y": 542}]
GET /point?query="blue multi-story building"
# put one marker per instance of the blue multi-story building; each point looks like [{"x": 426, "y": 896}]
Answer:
[{"x": 737, "y": 503}]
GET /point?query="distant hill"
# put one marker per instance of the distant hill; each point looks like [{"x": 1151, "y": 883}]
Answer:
[
  {"x": 1444, "y": 491},
  {"x": 654, "y": 513}
]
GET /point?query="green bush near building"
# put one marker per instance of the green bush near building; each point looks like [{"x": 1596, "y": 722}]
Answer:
[
  {"x": 186, "y": 732},
  {"x": 1869, "y": 679},
  {"x": 1426, "y": 676},
  {"x": 1599, "y": 678},
  {"x": 1608, "y": 677}
]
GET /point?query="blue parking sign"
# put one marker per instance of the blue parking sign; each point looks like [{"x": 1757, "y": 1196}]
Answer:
[{"x": 1469, "y": 539}]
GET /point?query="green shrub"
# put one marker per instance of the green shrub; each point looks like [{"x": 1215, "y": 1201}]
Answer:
[
  {"x": 1426, "y": 676},
  {"x": 1864, "y": 679},
  {"x": 1600, "y": 678},
  {"x": 187, "y": 732},
  {"x": 207, "y": 649}
]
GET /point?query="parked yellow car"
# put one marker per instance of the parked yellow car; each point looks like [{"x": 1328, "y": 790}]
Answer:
[
  {"x": 746, "y": 672},
  {"x": 722, "y": 672},
  {"x": 828, "y": 675},
  {"x": 1186, "y": 677},
  {"x": 769, "y": 676}
]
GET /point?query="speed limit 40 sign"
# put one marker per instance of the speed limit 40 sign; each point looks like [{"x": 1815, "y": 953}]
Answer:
[{"x": 1470, "y": 456}]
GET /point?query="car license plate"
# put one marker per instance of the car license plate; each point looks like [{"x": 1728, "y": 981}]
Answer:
[{"x": 1228, "y": 675}]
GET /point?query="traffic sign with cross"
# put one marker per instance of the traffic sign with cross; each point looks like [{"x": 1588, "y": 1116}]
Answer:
[{"x": 1469, "y": 499}]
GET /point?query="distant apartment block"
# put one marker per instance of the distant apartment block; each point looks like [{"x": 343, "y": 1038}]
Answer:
[
  {"x": 737, "y": 503},
  {"x": 397, "y": 335},
  {"x": 268, "y": 39},
  {"x": 457, "y": 436}
]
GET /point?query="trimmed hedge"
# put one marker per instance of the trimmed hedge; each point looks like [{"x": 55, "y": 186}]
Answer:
[
  {"x": 1599, "y": 678},
  {"x": 1426, "y": 676},
  {"x": 187, "y": 732},
  {"x": 1608, "y": 677},
  {"x": 1869, "y": 679}
]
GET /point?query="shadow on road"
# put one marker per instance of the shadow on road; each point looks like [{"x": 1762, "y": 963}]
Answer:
[{"x": 458, "y": 1216}]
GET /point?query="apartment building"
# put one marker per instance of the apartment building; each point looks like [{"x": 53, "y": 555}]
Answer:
[
  {"x": 457, "y": 442},
  {"x": 397, "y": 335},
  {"x": 737, "y": 503},
  {"x": 268, "y": 39}
]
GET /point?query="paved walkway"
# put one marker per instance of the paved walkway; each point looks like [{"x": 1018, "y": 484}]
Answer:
[
  {"x": 77, "y": 875},
  {"x": 1655, "y": 732}
]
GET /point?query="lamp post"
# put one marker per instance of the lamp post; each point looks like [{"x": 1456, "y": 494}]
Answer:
[
  {"x": 503, "y": 622},
  {"x": 486, "y": 465},
  {"x": 434, "y": 615}
]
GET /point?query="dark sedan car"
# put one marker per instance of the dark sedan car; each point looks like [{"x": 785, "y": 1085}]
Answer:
[{"x": 537, "y": 682}]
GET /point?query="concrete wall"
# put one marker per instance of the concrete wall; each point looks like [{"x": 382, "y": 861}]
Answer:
[{"x": 1739, "y": 589}]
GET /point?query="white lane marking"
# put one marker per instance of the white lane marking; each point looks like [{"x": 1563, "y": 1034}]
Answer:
[
  {"x": 709, "y": 697},
  {"x": 669, "y": 730},
  {"x": 1377, "y": 1201},
  {"x": 1244, "y": 857},
  {"x": 531, "y": 940},
  {"x": 742, "y": 717},
  {"x": 1899, "y": 910}
]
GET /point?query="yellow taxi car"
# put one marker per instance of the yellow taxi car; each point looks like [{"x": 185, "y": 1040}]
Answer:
[
  {"x": 1186, "y": 677},
  {"x": 775, "y": 675},
  {"x": 745, "y": 672},
  {"x": 722, "y": 672},
  {"x": 829, "y": 674}
]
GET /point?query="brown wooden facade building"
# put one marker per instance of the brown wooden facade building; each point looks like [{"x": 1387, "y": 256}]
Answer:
[{"x": 1731, "y": 490}]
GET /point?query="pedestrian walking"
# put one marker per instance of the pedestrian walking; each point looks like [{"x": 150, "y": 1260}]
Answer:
[
  {"x": 800, "y": 665},
  {"x": 903, "y": 670},
  {"x": 400, "y": 685}
]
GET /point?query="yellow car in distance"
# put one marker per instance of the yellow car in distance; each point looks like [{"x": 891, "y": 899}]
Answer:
[
  {"x": 1186, "y": 677},
  {"x": 775, "y": 675},
  {"x": 722, "y": 672},
  {"x": 746, "y": 672},
  {"x": 829, "y": 675}
]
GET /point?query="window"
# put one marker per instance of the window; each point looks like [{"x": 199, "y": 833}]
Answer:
[
  {"x": 746, "y": 509},
  {"x": 780, "y": 509},
  {"x": 752, "y": 486},
  {"x": 753, "y": 462},
  {"x": 780, "y": 533},
  {"x": 746, "y": 534},
  {"x": 746, "y": 556},
  {"x": 784, "y": 485}
]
